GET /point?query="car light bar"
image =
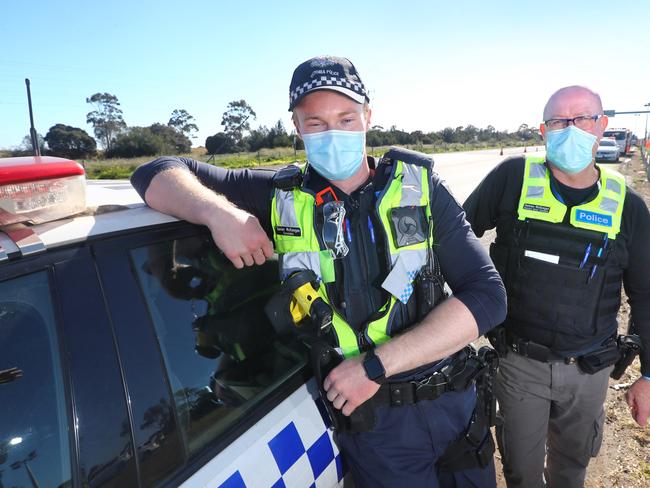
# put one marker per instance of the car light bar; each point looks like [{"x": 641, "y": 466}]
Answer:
[{"x": 40, "y": 189}]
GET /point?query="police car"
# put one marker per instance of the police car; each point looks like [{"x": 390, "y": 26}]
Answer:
[{"x": 132, "y": 353}]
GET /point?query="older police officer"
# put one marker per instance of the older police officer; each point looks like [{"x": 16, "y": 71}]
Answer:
[{"x": 569, "y": 232}]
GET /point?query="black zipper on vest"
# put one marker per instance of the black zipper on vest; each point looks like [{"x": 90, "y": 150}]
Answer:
[{"x": 361, "y": 244}]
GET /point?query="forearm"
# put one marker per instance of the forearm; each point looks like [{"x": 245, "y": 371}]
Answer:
[
  {"x": 236, "y": 232},
  {"x": 179, "y": 193},
  {"x": 445, "y": 330}
]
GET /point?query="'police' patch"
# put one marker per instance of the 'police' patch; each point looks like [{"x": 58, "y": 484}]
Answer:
[
  {"x": 593, "y": 218},
  {"x": 284, "y": 230},
  {"x": 537, "y": 208}
]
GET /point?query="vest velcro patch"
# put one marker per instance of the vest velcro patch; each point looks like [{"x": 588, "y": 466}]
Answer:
[
  {"x": 593, "y": 218},
  {"x": 537, "y": 208},
  {"x": 283, "y": 230}
]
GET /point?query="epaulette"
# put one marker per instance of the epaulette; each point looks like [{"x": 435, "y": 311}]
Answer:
[
  {"x": 408, "y": 156},
  {"x": 288, "y": 178}
]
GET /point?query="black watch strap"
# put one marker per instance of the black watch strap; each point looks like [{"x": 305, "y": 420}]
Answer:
[{"x": 374, "y": 367}]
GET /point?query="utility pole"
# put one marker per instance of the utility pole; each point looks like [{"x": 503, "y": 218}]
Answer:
[
  {"x": 645, "y": 132},
  {"x": 612, "y": 113}
]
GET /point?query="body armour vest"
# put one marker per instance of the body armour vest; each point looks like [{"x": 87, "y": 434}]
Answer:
[
  {"x": 554, "y": 262},
  {"x": 402, "y": 207}
]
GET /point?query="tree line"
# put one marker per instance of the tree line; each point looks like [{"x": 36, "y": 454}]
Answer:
[
  {"x": 113, "y": 135},
  {"x": 377, "y": 136},
  {"x": 237, "y": 135},
  {"x": 116, "y": 139}
]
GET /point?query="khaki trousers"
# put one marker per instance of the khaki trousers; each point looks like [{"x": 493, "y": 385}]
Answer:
[{"x": 550, "y": 411}]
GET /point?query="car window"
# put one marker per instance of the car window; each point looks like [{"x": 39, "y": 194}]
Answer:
[
  {"x": 222, "y": 355},
  {"x": 607, "y": 143},
  {"x": 34, "y": 442},
  {"x": 619, "y": 136}
]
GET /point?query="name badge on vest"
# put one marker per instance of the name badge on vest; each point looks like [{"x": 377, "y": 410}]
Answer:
[
  {"x": 283, "y": 230},
  {"x": 536, "y": 208}
]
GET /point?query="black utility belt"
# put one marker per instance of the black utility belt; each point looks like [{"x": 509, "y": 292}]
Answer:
[
  {"x": 589, "y": 363},
  {"x": 457, "y": 375},
  {"x": 408, "y": 393}
]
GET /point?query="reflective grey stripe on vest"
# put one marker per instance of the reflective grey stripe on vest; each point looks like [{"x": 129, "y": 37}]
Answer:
[
  {"x": 286, "y": 208},
  {"x": 608, "y": 205},
  {"x": 535, "y": 192},
  {"x": 298, "y": 261},
  {"x": 293, "y": 261},
  {"x": 613, "y": 185},
  {"x": 406, "y": 263},
  {"x": 537, "y": 170},
  {"x": 411, "y": 185}
]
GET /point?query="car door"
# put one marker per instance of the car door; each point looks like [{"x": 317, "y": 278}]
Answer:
[
  {"x": 63, "y": 414},
  {"x": 209, "y": 380}
]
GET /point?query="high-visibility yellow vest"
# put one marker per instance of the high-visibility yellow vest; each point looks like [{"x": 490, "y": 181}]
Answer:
[
  {"x": 300, "y": 247},
  {"x": 602, "y": 214},
  {"x": 558, "y": 277}
]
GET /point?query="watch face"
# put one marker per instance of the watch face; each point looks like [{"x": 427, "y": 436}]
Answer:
[{"x": 374, "y": 368}]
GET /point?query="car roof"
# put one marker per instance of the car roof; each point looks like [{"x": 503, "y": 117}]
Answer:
[{"x": 111, "y": 206}]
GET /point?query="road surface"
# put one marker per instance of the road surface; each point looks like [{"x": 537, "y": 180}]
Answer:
[{"x": 464, "y": 170}]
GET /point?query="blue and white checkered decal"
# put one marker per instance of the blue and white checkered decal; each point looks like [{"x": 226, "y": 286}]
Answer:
[
  {"x": 290, "y": 447},
  {"x": 408, "y": 288}
]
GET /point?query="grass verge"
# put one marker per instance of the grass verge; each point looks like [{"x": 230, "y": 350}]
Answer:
[{"x": 123, "y": 168}]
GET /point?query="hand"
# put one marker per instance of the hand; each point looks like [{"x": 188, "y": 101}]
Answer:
[
  {"x": 348, "y": 386},
  {"x": 638, "y": 399},
  {"x": 240, "y": 236}
]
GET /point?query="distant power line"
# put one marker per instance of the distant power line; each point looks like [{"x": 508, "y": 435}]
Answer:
[{"x": 58, "y": 67}]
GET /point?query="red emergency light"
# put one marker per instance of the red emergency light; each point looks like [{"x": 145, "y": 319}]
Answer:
[{"x": 39, "y": 189}]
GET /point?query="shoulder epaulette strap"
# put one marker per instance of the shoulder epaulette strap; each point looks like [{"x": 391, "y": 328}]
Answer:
[
  {"x": 408, "y": 156},
  {"x": 288, "y": 178},
  {"x": 531, "y": 158}
]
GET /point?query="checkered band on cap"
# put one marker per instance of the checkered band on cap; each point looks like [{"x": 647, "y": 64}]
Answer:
[
  {"x": 358, "y": 92},
  {"x": 326, "y": 73}
]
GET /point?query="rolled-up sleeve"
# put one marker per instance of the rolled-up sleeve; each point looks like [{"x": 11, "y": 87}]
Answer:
[
  {"x": 249, "y": 189},
  {"x": 465, "y": 264},
  {"x": 142, "y": 176},
  {"x": 636, "y": 277}
]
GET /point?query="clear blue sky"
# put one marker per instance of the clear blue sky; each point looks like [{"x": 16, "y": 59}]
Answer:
[{"x": 428, "y": 64}]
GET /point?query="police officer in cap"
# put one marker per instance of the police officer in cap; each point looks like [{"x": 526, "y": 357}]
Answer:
[
  {"x": 367, "y": 229},
  {"x": 569, "y": 232}
]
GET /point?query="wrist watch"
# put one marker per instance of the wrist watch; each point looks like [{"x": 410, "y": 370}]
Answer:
[{"x": 374, "y": 368}]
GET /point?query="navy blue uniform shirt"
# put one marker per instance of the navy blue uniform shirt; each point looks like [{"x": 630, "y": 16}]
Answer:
[{"x": 465, "y": 264}]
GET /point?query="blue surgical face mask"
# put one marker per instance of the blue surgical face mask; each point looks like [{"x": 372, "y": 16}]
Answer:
[
  {"x": 570, "y": 149},
  {"x": 335, "y": 154}
]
